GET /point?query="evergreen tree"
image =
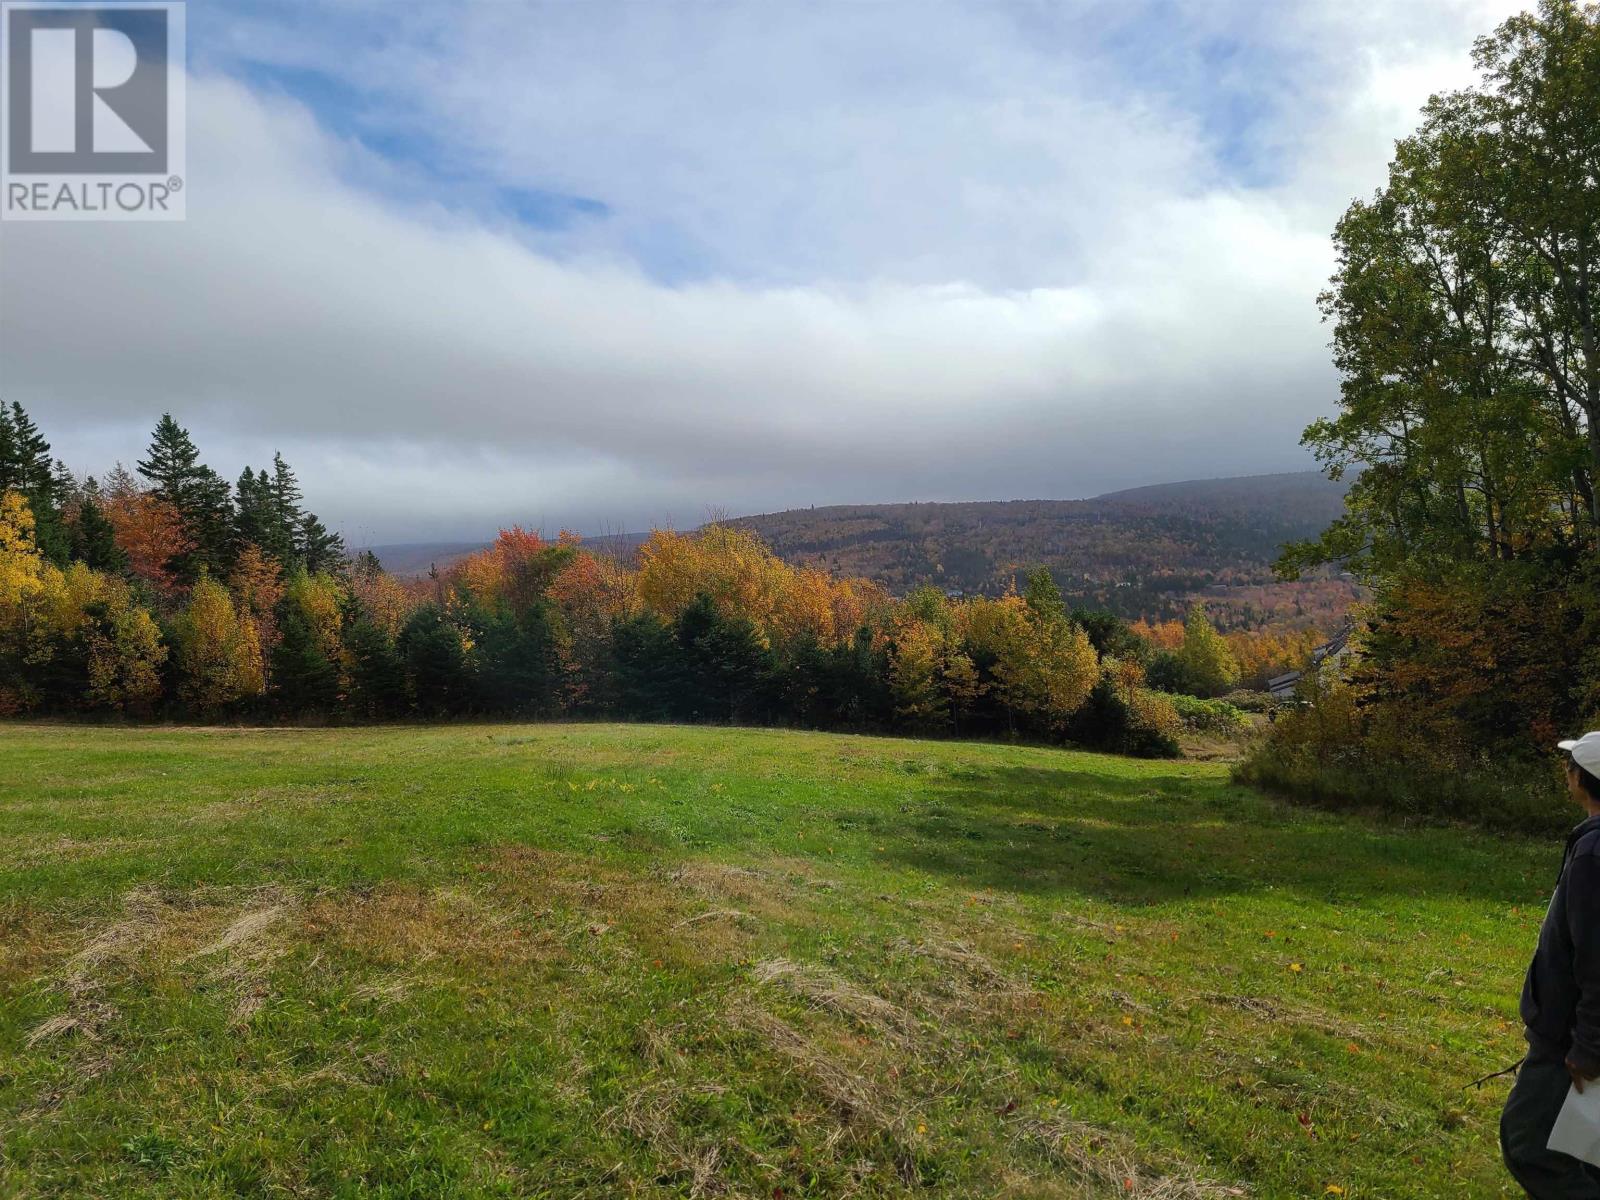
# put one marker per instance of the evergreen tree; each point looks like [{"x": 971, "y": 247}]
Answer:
[
  {"x": 1110, "y": 635},
  {"x": 318, "y": 549},
  {"x": 284, "y": 490},
  {"x": 436, "y": 662},
  {"x": 94, "y": 538},
  {"x": 377, "y": 676},
  {"x": 648, "y": 671},
  {"x": 172, "y": 462},
  {"x": 303, "y": 678},
  {"x": 201, "y": 497},
  {"x": 26, "y": 467},
  {"x": 519, "y": 668},
  {"x": 729, "y": 667},
  {"x": 255, "y": 522}
]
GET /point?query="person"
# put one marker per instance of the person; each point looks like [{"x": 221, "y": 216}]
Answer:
[{"x": 1561, "y": 1003}]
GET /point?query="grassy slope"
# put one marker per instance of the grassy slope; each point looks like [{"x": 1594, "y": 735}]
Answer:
[{"x": 606, "y": 961}]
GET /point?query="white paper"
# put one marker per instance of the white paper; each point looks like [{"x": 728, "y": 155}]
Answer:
[{"x": 1577, "y": 1128}]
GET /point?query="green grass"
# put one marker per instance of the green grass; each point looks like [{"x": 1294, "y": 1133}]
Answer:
[{"x": 638, "y": 961}]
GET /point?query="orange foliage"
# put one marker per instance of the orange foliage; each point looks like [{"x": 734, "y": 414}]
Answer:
[
  {"x": 257, "y": 586},
  {"x": 742, "y": 576},
  {"x": 148, "y": 530}
]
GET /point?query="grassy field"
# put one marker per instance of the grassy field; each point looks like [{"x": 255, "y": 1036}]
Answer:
[{"x": 606, "y": 961}]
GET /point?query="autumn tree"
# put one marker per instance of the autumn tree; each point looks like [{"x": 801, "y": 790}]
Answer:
[
  {"x": 218, "y": 655},
  {"x": 148, "y": 530},
  {"x": 1208, "y": 664}
]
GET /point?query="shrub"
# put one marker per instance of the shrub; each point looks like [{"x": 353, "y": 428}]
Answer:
[
  {"x": 1335, "y": 753},
  {"x": 1208, "y": 716},
  {"x": 1127, "y": 720},
  {"x": 1252, "y": 702}
]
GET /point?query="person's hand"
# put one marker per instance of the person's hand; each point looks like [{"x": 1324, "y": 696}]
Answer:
[{"x": 1580, "y": 1073}]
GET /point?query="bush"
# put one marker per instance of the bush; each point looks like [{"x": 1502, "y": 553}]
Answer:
[
  {"x": 1136, "y": 721},
  {"x": 1208, "y": 716},
  {"x": 1167, "y": 673},
  {"x": 1253, "y": 702},
  {"x": 1334, "y": 753}
]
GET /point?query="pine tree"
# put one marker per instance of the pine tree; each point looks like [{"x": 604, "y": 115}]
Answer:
[
  {"x": 436, "y": 662},
  {"x": 304, "y": 680},
  {"x": 173, "y": 462},
  {"x": 94, "y": 537},
  {"x": 254, "y": 521},
  {"x": 377, "y": 676},
  {"x": 26, "y": 467},
  {"x": 285, "y": 492},
  {"x": 202, "y": 498},
  {"x": 318, "y": 549}
]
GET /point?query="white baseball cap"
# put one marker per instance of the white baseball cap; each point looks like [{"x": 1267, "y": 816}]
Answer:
[{"x": 1585, "y": 751}]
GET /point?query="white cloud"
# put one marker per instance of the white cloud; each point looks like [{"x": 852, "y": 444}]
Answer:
[{"x": 934, "y": 267}]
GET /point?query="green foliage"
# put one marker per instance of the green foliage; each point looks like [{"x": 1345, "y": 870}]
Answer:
[
  {"x": 1464, "y": 322},
  {"x": 518, "y": 662},
  {"x": 93, "y": 538},
  {"x": 1208, "y": 716},
  {"x": 726, "y": 668},
  {"x": 26, "y": 468},
  {"x": 304, "y": 678},
  {"x": 1042, "y": 595},
  {"x": 377, "y": 674},
  {"x": 1124, "y": 721},
  {"x": 1111, "y": 636},
  {"x": 435, "y": 662},
  {"x": 1328, "y": 750},
  {"x": 1209, "y": 667},
  {"x": 1463, "y": 319}
]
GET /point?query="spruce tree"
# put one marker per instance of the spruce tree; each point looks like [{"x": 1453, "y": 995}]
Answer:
[
  {"x": 94, "y": 538},
  {"x": 303, "y": 679},
  {"x": 285, "y": 492},
  {"x": 377, "y": 676},
  {"x": 318, "y": 549},
  {"x": 436, "y": 662},
  {"x": 172, "y": 462},
  {"x": 26, "y": 467},
  {"x": 202, "y": 498}
]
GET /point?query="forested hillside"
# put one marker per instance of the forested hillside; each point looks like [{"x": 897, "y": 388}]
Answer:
[{"x": 1147, "y": 552}]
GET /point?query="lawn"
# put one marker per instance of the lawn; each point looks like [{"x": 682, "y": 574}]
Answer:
[{"x": 574, "y": 960}]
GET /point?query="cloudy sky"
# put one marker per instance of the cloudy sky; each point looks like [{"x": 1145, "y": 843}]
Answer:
[{"x": 611, "y": 265}]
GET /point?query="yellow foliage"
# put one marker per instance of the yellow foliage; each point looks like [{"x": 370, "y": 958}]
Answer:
[
  {"x": 743, "y": 577},
  {"x": 20, "y": 563},
  {"x": 219, "y": 654}
]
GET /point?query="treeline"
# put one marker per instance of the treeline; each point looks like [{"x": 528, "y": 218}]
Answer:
[
  {"x": 170, "y": 593},
  {"x": 1464, "y": 315}
]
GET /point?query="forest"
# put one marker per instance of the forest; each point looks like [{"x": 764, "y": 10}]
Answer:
[{"x": 167, "y": 592}]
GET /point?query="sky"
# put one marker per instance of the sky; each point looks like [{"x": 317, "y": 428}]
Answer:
[{"x": 609, "y": 266}]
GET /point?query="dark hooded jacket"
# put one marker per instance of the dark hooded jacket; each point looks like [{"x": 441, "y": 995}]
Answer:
[{"x": 1561, "y": 994}]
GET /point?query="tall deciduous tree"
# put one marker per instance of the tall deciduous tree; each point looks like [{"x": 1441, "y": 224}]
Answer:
[{"x": 1466, "y": 315}]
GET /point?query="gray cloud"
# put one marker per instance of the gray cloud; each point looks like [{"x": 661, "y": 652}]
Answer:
[{"x": 1077, "y": 302}]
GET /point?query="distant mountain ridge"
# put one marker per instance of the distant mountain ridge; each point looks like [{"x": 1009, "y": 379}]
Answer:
[
  {"x": 1146, "y": 551},
  {"x": 1142, "y": 552}
]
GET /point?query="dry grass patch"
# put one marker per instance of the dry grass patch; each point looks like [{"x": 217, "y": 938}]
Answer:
[
  {"x": 827, "y": 990},
  {"x": 1104, "y": 1163}
]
